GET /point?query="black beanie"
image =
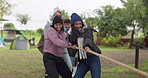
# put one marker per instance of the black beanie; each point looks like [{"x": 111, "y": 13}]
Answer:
[{"x": 57, "y": 19}]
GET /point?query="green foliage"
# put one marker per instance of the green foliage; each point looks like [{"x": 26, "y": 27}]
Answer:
[
  {"x": 111, "y": 41},
  {"x": 33, "y": 32},
  {"x": 105, "y": 41},
  {"x": 23, "y": 18},
  {"x": 64, "y": 13},
  {"x": 26, "y": 32},
  {"x": 135, "y": 16},
  {"x": 29, "y": 33},
  {"x": 9, "y": 25},
  {"x": 139, "y": 40},
  {"x": 91, "y": 21},
  {"x": 5, "y": 8},
  {"x": 40, "y": 30},
  {"x": 110, "y": 21}
]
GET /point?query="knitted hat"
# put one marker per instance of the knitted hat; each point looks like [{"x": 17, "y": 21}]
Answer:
[
  {"x": 75, "y": 17},
  {"x": 57, "y": 19}
]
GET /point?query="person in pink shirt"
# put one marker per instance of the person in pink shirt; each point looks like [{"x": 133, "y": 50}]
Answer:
[{"x": 54, "y": 45}]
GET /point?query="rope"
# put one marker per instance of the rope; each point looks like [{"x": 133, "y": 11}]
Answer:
[{"x": 117, "y": 62}]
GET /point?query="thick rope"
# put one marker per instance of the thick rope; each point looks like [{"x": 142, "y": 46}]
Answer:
[{"x": 117, "y": 62}]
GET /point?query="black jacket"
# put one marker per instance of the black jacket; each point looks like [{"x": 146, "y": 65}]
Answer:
[{"x": 88, "y": 41}]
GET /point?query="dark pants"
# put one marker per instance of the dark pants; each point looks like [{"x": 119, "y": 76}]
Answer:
[
  {"x": 92, "y": 64},
  {"x": 55, "y": 65}
]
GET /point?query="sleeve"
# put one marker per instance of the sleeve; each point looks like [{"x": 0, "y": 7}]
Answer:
[
  {"x": 53, "y": 37},
  {"x": 41, "y": 44},
  {"x": 88, "y": 42},
  {"x": 41, "y": 41}
]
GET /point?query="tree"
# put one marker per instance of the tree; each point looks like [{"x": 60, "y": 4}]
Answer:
[
  {"x": 133, "y": 16},
  {"x": 9, "y": 25},
  {"x": 40, "y": 30},
  {"x": 110, "y": 21},
  {"x": 64, "y": 13},
  {"x": 143, "y": 16},
  {"x": 5, "y": 8},
  {"x": 92, "y": 21},
  {"x": 23, "y": 18}
]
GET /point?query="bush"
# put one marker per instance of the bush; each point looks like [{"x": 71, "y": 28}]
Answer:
[
  {"x": 33, "y": 32},
  {"x": 111, "y": 41},
  {"x": 139, "y": 40},
  {"x": 40, "y": 30},
  {"x": 9, "y": 26}
]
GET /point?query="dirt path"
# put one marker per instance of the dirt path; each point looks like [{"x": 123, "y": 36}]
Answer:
[
  {"x": 124, "y": 57},
  {"x": 127, "y": 58}
]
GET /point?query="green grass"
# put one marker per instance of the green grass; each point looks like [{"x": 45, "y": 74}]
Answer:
[
  {"x": 37, "y": 36},
  {"x": 118, "y": 72},
  {"x": 105, "y": 49},
  {"x": 28, "y": 63}
]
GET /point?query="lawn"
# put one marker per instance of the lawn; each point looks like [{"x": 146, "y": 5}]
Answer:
[{"x": 28, "y": 63}]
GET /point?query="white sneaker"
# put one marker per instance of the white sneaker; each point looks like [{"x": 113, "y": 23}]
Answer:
[{"x": 74, "y": 71}]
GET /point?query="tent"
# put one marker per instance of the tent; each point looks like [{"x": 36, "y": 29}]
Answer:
[
  {"x": 12, "y": 34},
  {"x": 20, "y": 43},
  {"x": 2, "y": 44}
]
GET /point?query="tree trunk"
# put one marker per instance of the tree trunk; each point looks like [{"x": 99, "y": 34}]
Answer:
[
  {"x": 144, "y": 31},
  {"x": 132, "y": 37}
]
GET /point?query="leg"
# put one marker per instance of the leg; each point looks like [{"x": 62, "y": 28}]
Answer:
[
  {"x": 67, "y": 60},
  {"x": 74, "y": 65},
  {"x": 50, "y": 66},
  {"x": 95, "y": 67},
  {"x": 63, "y": 69},
  {"x": 81, "y": 70}
]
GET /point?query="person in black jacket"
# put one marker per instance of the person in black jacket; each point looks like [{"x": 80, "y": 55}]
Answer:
[{"x": 87, "y": 61}]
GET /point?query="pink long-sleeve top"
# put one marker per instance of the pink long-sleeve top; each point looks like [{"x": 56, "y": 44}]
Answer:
[{"x": 55, "y": 42}]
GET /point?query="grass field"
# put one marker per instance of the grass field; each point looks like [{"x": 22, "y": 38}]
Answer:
[{"x": 28, "y": 64}]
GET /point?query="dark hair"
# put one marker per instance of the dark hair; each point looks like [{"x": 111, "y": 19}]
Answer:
[
  {"x": 67, "y": 21},
  {"x": 58, "y": 12}
]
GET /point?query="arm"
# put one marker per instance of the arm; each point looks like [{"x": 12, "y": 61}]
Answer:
[
  {"x": 88, "y": 43},
  {"x": 53, "y": 37}
]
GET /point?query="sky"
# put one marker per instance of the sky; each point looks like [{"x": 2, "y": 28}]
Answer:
[{"x": 40, "y": 10}]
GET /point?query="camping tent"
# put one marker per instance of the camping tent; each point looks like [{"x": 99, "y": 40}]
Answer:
[
  {"x": 12, "y": 34},
  {"x": 2, "y": 44},
  {"x": 20, "y": 43}
]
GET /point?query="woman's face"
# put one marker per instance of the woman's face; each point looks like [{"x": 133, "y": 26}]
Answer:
[
  {"x": 78, "y": 24},
  {"x": 58, "y": 27},
  {"x": 67, "y": 26}
]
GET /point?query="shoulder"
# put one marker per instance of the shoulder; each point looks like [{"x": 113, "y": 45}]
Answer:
[
  {"x": 47, "y": 26},
  {"x": 51, "y": 29},
  {"x": 64, "y": 33},
  {"x": 90, "y": 28}
]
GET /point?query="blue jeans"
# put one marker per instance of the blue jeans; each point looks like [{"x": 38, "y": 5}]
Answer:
[
  {"x": 92, "y": 64},
  {"x": 67, "y": 60}
]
